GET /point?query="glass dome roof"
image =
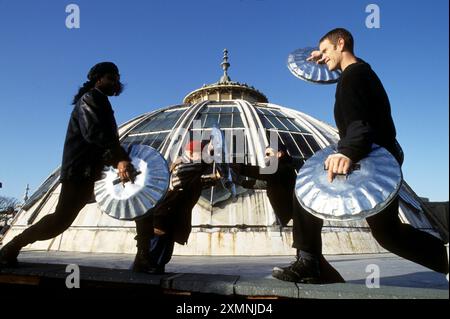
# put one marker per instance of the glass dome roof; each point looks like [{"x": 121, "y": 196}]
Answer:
[{"x": 164, "y": 128}]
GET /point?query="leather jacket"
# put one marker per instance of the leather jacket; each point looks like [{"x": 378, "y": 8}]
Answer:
[{"x": 92, "y": 140}]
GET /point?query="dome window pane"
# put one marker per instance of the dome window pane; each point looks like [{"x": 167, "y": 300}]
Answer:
[
  {"x": 301, "y": 142},
  {"x": 237, "y": 121},
  {"x": 312, "y": 143},
  {"x": 225, "y": 120},
  {"x": 290, "y": 144}
]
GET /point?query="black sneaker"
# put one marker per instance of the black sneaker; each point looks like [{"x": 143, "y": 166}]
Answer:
[
  {"x": 300, "y": 271},
  {"x": 143, "y": 264},
  {"x": 8, "y": 256}
]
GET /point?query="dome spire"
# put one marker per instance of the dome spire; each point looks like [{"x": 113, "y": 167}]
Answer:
[
  {"x": 25, "y": 197},
  {"x": 225, "y": 89},
  {"x": 225, "y": 65}
]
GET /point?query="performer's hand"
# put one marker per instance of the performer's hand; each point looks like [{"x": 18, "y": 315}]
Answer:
[
  {"x": 337, "y": 164},
  {"x": 125, "y": 169},
  {"x": 316, "y": 56}
]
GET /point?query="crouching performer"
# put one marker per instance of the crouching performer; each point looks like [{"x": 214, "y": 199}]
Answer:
[{"x": 170, "y": 221}]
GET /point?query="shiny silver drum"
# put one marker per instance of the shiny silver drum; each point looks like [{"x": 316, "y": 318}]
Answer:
[
  {"x": 131, "y": 201},
  {"x": 310, "y": 71},
  {"x": 364, "y": 192}
]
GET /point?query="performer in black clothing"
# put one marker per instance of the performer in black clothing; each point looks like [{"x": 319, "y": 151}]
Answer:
[
  {"x": 91, "y": 142},
  {"x": 280, "y": 187},
  {"x": 363, "y": 117},
  {"x": 170, "y": 221}
]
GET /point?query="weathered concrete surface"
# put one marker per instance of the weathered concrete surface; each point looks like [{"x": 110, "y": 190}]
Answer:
[{"x": 241, "y": 277}]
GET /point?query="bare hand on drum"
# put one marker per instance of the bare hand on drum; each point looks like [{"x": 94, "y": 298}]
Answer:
[
  {"x": 126, "y": 170},
  {"x": 316, "y": 56},
  {"x": 337, "y": 164}
]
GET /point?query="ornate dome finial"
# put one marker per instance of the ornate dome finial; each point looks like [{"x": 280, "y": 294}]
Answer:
[
  {"x": 225, "y": 89},
  {"x": 225, "y": 65}
]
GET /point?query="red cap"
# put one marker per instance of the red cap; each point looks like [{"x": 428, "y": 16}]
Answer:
[{"x": 195, "y": 146}]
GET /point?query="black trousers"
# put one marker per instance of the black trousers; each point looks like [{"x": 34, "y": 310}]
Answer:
[
  {"x": 144, "y": 232},
  {"x": 73, "y": 197},
  {"x": 159, "y": 247},
  {"x": 401, "y": 239}
]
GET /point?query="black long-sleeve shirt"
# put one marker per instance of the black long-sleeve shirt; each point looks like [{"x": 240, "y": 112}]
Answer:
[
  {"x": 92, "y": 140},
  {"x": 363, "y": 113}
]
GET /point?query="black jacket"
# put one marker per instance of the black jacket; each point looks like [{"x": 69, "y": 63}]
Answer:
[
  {"x": 92, "y": 140},
  {"x": 363, "y": 113}
]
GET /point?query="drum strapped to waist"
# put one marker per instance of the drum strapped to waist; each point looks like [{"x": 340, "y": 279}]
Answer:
[
  {"x": 369, "y": 188},
  {"x": 130, "y": 201}
]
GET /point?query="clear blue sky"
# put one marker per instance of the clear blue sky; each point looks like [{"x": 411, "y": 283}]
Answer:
[{"x": 167, "y": 48}]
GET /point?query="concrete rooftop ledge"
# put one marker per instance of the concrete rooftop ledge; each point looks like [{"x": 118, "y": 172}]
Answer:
[{"x": 243, "y": 286}]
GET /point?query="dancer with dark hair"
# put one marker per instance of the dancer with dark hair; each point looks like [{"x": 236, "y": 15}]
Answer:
[{"x": 91, "y": 142}]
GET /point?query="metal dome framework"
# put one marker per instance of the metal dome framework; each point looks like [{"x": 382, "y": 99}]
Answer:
[{"x": 238, "y": 119}]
